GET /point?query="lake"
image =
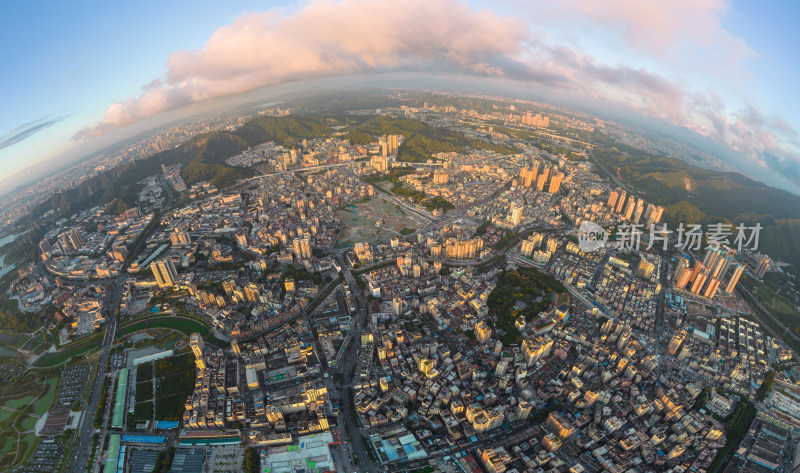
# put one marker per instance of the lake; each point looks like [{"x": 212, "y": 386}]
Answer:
[{"x": 3, "y": 268}]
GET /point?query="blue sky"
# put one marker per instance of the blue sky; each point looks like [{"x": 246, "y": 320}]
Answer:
[{"x": 724, "y": 69}]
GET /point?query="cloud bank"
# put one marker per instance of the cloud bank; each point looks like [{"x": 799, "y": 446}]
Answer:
[
  {"x": 26, "y": 130},
  {"x": 335, "y": 38}
]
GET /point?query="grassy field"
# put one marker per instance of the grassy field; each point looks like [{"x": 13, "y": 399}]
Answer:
[
  {"x": 15, "y": 446},
  {"x": 181, "y": 324},
  {"x": 144, "y": 391},
  {"x": 70, "y": 350},
  {"x": 6, "y": 443},
  {"x": 29, "y": 442},
  {"x": 5, "y": 415},
  {"x": 19, "y": 402},
  {"x": 45, "y": 401},
  {"x": 775, "y": 302},
  {"x": 143, "y": 411},
  {"x": 13, "y": 340},
  {"x": 28, "y": 423},
  {"x": 144, "y": 372},
  {"x": 185, "y": 325},
  {"x": 174, "y": 384}
]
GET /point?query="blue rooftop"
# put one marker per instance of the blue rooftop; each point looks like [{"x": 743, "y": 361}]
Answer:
[{"x": 154, "y": 439}]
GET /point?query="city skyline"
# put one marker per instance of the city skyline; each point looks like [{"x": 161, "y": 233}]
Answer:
[
  {"x": 398, "y": 281},
  {"x": 720, "y": 69}
]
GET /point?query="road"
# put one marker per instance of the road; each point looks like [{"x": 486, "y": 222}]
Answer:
[
  {"x": 659, "y": 327},
  {"x": 78, "y": 462},
  {"x": 347, "y": 417}
]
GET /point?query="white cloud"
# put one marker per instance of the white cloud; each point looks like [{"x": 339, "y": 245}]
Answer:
[{"x": 336, "y": 38}]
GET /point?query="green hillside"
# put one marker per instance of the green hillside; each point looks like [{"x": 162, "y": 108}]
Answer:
[
  {"x": 282, "y": 130},
  {"x": 695, "y": 195}
]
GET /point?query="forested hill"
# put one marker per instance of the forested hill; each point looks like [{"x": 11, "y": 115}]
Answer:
[{"x": 695, "y": 195}]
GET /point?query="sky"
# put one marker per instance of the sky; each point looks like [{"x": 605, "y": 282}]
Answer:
[{"x": 80, "y": 74}]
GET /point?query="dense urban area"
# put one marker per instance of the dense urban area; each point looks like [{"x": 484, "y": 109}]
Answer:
[{"x": 404, "y": 283}]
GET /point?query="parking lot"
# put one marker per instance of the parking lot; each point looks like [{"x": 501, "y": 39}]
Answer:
[
  {"x": 117, "y": 361},
  {"x": 73, "y": 384},
  {"x": 9, "y": 372},
  {"x": 225, "y": 459},
  {"x": 47, "y": 455}
]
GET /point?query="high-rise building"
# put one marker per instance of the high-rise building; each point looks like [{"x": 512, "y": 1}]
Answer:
[
  {"x": 394, "y": 143},
  {"x": 302, "y": 248},
  {"x": 251, "y": 292},
  {"x": 516, "y": 214},
  {"x": 397, "y": 305},
  {"x": 69, "y": 241},
  {"x": 712, "y": 287},
  {"x": 197, "y": 344},
  {"x": 676, "y": 341},
  {"x": 540, "y": 181},
  {"x": 527, "y": 176},
  {"x": 682, "y": 274},
  {"x": 555, "y": 182},
  {"x": 612, "y": 199},
  {"x": 501, "y": 367},
  {"x": 384, "y": 146},
  {"x": 629, "y": 208},
  {"x": 462, "y": 249},
  {"x": 425, "y": 365},
  {"x": 648, "y": 213},
  {"x": 645, "y": 269},
  {"x": 699, "y": 282},
  {"x": 621, "y": 201},
  {"x": 710, "y": 257},
  {"x": 656, "y": 217},
  {"x": 637, "y": 213},
  {"x": 558, "y": 425},
  {"x": 546, "y": 172},
  {"x": 698, "y": 268},
  {"x": 523, "y": 410},
  {"x": 379, "y": 163},
  {"x": 441, "y": 177},
  {"x": 482, "y": 332},
  {"x": 198, "y": 347},
  {"x": 726, "y": 265},
  {"x": 734, "y": 280},
  {"x": 164, "y": 272},
  {"x": 527, "y": 248},
  {"x": 534, "y": 350},
  {"x": 719, "y": 264},
  {"x": 764, "y": 263},
  {"x": 653, "y": 214}
]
